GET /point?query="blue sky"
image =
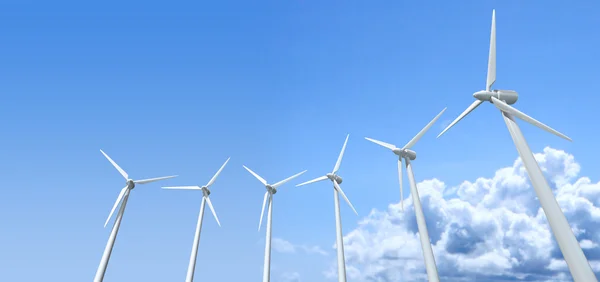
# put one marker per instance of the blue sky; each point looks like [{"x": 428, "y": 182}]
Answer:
[{"x": 178, "y": 88}]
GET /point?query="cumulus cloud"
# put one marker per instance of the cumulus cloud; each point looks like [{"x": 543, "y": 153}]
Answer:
[
  {"x": 283, "y": 246},
  {"x": 490, "y": 229}
]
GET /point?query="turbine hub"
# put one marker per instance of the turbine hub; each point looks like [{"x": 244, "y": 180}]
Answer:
[
  {"x": 484, "y": 95},
  {"x": 405, "y": 153},
  {"x": 508, "y": 96},
  {"x": 335, "y": 178},
  {"x": 130, "y": 184}
]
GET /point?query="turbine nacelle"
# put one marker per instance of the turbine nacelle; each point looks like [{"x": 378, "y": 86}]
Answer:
[
  {"x": 205, "y": 191},
  {"x": 508, "y": 96},
  {"x": 271, "y": 189},
  {"x": 335, "y": 178},
  {"x": 405, "y": 153},
  {"x": 130, "y": 184}
]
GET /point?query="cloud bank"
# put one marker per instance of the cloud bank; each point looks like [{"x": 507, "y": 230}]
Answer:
[{"x": 492, "y": 229}]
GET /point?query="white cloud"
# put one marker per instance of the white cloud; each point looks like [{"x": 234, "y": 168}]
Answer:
[
  {"x": 290, "y": 277},
  {"x": 283, "y": 246},
  {"x": 492, "y": 229}
]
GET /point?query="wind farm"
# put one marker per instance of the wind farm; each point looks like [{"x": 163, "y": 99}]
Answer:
[{"x": 236, "y": 95}]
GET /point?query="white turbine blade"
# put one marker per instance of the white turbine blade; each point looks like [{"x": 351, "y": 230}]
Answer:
[
  {"x": 491, "y": 74},
  {"x": 324, "y": 177},
  {"x": 212, "y": 180},
  {"x": 339, "y": 189},
  {"x": 212, "y": 210},
  {"x": 144, "y": 181},
  {"x": 262, "y": 212},
  {"x": 276, "y": 185},
  {"x": 119, "y": 198},
  {"x": 400, "y": 179},
  {"x": 381, "y": 143},
  {"x": 183, "y": 187},
  {"x": 123, "y": 173},
  {"x": 339, "y": 160},
  {"x": 415, "y": 139},
  {"x": 264, "y": 182},
  {"x": 510, "y": 110},
  {"x": 461, "y": 116}
]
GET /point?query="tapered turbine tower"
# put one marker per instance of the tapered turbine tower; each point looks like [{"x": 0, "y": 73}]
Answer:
[
  {"x": 205, "y": 200},
  {"x": 502, "y": 99},
  {"x": 336, "y": 180},
  {"x": 271, "y": 190},
  {"x": 405, "y": 153},
  {"x": 122, "y": 198}
]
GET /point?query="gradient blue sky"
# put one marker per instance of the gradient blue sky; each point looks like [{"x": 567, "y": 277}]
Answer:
[{"x": 177, "y": 88}]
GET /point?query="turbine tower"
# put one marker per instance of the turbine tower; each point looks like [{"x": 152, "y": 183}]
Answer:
[
  {"x": 122, "y": 198},
  {"x": 205, "y": 200},
  {"x": 408, "y": 155},
  {"x": 271, "y": 190},
  {"x": 578, "y": 265},
  {"x": 337, "y": 180}
]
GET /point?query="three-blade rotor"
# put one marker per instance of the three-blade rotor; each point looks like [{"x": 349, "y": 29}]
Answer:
[
  {"x": 498, "y": 101},
  {"x": 334, "y": 178},
  {"x": 130, "y": 184},
  {"x": 271, "y": 189},
  {"x": 205, "y": 190},
  {"x": 405, "y": 152}
]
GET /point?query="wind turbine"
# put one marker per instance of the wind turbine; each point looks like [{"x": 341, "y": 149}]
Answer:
[
  {"x": 122, "y": 198},
  {"x": 205, "y": 199},
  {"x": 337, "y": 180},
  {"x": 409, "y": 155},
  {"x": 578, "y": 265},
  {"x": 271, "y": 190}
]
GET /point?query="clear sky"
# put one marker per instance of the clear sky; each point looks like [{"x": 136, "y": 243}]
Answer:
[{"x": 178, "y": 87}]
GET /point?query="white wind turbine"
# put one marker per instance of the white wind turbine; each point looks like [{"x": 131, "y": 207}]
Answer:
[
  {"x": 205, "y": 199},
  {"x": 337, "y": 180},
  {"x": 578, "y": 265},
  {"x": 271, "y": 190},
  {"x": 122, "y": 198},
  {"x": 408, "y": 155}
]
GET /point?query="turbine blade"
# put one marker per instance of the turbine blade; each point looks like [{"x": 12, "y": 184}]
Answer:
[
  {"x": 212, "y": 210},
  {"x": 212, "y": 180},
  {"x": 276, "y": 185},
  {"x": 183, "y": 187},
  {"x": 461, "y": 116},
  {"x": 415, "y": 139},
  {"x": 339, "y": 189},
  {"x": 491, "y": 73},
  {"x": 264, "y": 182},
  {"x": 144, "y": 181},
  {"x": 324, "y": 177},
  {"x": 510, "y": 110},
  {"x": 339, "y": 160},
  {"x": 381, "y": 143},
  {"x": 400, "y": 179},
  {"x": 121, "y": 171},
  {"x": 262, "y": 212},
  {"x": 119, "y": 198}
]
